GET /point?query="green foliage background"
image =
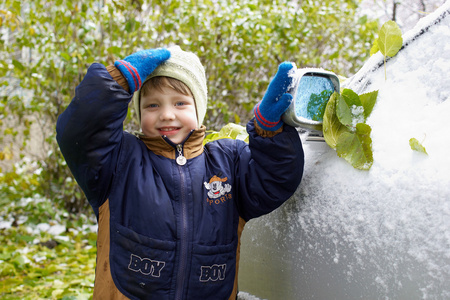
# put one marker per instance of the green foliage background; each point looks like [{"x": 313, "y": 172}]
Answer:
[{"x": 47, "y": 46}]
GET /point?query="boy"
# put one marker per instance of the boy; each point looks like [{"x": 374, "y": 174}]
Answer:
[{"x": 170, "y": 210}]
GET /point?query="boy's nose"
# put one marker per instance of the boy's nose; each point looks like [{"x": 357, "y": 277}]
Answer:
[{"x": 167, "y": 114}]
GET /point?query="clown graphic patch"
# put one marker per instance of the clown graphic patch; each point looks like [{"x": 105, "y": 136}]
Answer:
[{"x": 218, "y": 190}]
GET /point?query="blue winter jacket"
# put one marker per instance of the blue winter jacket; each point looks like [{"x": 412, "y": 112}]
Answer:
[{"x": 169, "y": 231}]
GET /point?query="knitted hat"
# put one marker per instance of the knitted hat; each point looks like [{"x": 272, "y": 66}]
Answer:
[{"x": 186, "y": 67}]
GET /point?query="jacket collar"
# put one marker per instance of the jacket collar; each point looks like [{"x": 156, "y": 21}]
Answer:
[{"x": 192, "y": 146}]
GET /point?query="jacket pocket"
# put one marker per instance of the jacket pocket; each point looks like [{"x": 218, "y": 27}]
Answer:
[
  {"x": 141, "y": 267},
  {"x": 213, "y": 271}
]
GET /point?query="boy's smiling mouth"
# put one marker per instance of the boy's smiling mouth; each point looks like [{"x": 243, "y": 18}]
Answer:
[{"x": 168, "y": 130}]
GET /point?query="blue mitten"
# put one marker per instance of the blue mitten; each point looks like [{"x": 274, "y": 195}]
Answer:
[
  {"x": 276, "y": 101},
  {"x": 136, "y": 67}
]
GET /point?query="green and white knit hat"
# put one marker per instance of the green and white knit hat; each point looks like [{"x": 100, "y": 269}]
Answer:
[{"x": 186, "y": 67}]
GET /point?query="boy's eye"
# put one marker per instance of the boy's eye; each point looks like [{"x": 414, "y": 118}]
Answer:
[
  {"x": 179, "y": 104},
  {"x": 153, "y": 105}
]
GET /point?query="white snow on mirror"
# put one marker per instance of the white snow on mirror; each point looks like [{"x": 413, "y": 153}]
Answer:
[
  {"x": 311, "y": 97},
  {"x": 311, "y": 91}
]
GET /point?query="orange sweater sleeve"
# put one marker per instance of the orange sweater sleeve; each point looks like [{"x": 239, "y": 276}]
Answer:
[{"x": 117, "y": 76}]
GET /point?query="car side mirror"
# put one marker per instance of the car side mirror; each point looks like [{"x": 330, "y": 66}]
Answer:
[{"x": 311, "y": 91}]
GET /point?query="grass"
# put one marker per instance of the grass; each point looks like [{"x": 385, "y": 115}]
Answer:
[{"x": 44, "y": 255}]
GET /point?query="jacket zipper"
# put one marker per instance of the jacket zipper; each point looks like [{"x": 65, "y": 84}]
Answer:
[
  {"x": 181, "y": 161},
  {"x": 184, "y": 249},
  {"x": 183, "y": 240}
]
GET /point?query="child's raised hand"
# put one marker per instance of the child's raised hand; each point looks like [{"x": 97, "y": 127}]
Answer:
[
  {"x": 276, "y": 101},
  {"x": 136, "y": 67}
]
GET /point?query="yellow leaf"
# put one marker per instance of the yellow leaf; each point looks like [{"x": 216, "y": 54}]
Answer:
[
  {"x": 57, "y": 293},
  {"x": 417, "y": 146},
  {"x": 6, "y": 154}
]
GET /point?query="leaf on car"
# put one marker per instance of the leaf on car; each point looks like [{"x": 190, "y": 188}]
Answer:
[
  {"x": 390, "y": 39},
  {"x": 349, "y": 109},
  {"x": 417, "y": 146},
  {"x": 332, "y": 127},
  {"x": 368, "y": 101},
  {"x": 356, "y": 147}
]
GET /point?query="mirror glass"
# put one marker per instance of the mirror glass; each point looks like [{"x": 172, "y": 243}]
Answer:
[{"x": 312, "y": 95}]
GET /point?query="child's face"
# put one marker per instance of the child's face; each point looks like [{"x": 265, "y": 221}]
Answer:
[{"x": 168, "y": 113}]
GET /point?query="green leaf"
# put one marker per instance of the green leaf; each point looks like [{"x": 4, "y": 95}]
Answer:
[
  {"x": 27, "y": 238},
  {"x": 65, "y": 56},
  {"x": 18, "y": 65},
  {"x": 368, "y": 101},
  {"x": 356, "y": 148},
  {"x": 362, "y": 20},
  {"x": 317, "y": 104},
  {"x": 129, "y": 26},
  {"x": 332, "y": 127},
  {"x": 390, "y": 39},
  {"x": 16, "y": 5},
  {"x": 115, "y": 50},
  {"x": 5, "y": 256},
  {"x": 417, "y": 146},
  {"x": 349, "y": 109},
  {"x": 374, "y": 48},
  {"x": 229, "y": 131},
  {"x": 70, "y": 297},
  {"x": 19, "y": 261},
  {"x": 7, "y": 269}
]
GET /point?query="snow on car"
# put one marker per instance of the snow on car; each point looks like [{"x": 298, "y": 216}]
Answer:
[{"x": 377, "y": 234}]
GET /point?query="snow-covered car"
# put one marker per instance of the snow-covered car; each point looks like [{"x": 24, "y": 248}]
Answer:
[{"x": 377, "y": 234}]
